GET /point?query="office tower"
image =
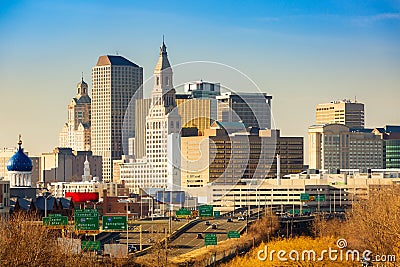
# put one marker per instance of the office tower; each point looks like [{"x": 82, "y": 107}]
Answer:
[
  {"x": 115, "y": 81},
  {"x": 198, "y": 107},
  {"x": 202, "y": 89},
  {"x": 336, "y": 146},
  {"x": 390, "y": 134},
  {"x": 220, "y": 157},
  {"x": 344, "y": 112},
  {"x": 159, "y": 168},
  {"x": 142, "y": 108},
  {"x": 76, "y": 132},
  {"x": 163, "y": 127},
  {"x": 66, "y": 165},
  {"x": 253, "y": 109}
]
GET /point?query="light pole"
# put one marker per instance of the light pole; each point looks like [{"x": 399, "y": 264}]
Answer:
[
  {"x": 45, "y": 203},
  {"x": 127, "y": 229}
]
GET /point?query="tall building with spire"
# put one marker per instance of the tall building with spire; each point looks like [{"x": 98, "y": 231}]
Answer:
[
  {"x": 115, "y": 81},
  {"x": 162, "y": 126},
  {"x": 160, "y": 166},
  {"x": 76, "y": 131}
]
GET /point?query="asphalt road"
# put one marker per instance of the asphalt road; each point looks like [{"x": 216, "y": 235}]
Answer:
[
  {"x": 188, "y": 241},
  {"x": 151, "y": 231}
]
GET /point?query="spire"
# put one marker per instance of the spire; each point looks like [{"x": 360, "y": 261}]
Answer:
[
  {"x": 163, "y": 62},
  {"x": 163, "y": 48},
  {"x": 82, "y": 77},
  {"x": 19, "y": 141}
]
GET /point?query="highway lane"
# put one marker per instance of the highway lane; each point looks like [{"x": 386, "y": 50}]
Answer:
[
  {"x": 188, "y": 241},
  {"x": 151, "y": 231}
]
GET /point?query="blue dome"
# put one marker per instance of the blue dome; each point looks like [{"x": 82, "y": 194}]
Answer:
[{"x": 19, "y": 162}]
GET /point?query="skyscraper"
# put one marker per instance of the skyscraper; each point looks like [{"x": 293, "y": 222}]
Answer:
[
  {"x": 160, "y": 166},
  {"x": 163, "y": 127},
  {"x": 253, "y": 109},
  {"x": 115, "y": 81},
  {"x": 344, "y": 112},
  {"x": 336, "y": 146},
  {"x": 76, "y": 132}
]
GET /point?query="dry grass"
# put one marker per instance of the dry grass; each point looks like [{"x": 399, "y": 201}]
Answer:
[{"x": 24, "y": 242}]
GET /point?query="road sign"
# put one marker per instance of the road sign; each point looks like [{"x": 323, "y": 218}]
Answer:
[
  {"x": 210, "y": 239},
  {"x": 320, "y": 198},
  {"x": 90, "y": 245},
  {"x": 217, "y": 214},
  {"x": 117, "y": 223},
  {"x": 86, "y": 221},
  {"x": 206, "y": 211},
  {"x": 304, "y": 197},
  {"x": 182, "y": 213},
  {"x": 55, "y": 215},
  {"x": 233, "y": 234},
  {"x": 195, "y": 213},
  {"x": 56, "y": 222}
]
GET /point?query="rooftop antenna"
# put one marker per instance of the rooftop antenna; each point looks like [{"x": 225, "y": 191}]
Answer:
[
  {"x": 163, "y": 38},
  {"x": 82, "y": 76},
  {"x": 116, "y": 52},
  {"x": 355, "y": 99}
]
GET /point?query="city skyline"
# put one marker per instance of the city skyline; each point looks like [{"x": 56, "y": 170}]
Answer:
[{"x": 300, "y": 54}]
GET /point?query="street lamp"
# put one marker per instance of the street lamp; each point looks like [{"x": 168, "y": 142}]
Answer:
[{"x": 45, "y": 202}]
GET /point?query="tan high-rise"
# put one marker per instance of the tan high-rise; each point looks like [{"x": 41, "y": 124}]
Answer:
[
  {"x": 344, "y": 112},
  {"x": 115, "y": 82}
]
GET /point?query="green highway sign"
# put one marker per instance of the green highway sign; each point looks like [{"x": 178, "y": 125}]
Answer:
[
  {"x": 86, "y": 221},
  {"x": 182, "y": 213},
  {"x": 90, "y": 245},
  {"x": 304, "y": 197},
  {"x": 210, "y": 239},
  {"x": 206, "y": 211},
  {"x": 320, "y": 198},
  {"x": 55, "y": 215},
  {"x": 114, "y": 223},
  {"x": 233, "y": 234},
  {"x": 217, "y": 214},
  {"x": 57, "y": 222}
]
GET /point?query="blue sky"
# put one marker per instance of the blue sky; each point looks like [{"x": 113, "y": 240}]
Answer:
[{"x": 301, "y": 52}]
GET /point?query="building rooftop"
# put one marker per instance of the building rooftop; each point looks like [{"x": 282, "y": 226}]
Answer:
[{"x": 114, "y": 60}]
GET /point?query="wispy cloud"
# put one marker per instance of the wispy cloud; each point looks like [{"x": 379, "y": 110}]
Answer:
[
  {"x": 268, "y": 19},
  {"x": 366, "y": 20}
]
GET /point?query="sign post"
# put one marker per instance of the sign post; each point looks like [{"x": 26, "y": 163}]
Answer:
[
  {"x": 210, "y": 239},
  {"x": 304, "y": 197},
  {"x": 55, "y": 221},
  {"x": 86, "y": 221},
  {"x": 233, "y": 234},
  {"x": 182, "y": 213},
  {"x": 90, "y": 245},
  {"x": 206, "y": 211},
  {"x": 116, "y": 223}
]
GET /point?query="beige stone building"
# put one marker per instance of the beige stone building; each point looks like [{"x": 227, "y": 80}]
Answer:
[
  {"x": 115, "y": 81},
  {"x": 344, "y": 112},
  {"x": 221, "y": 158},
  {"x": 66, "y": 165},
  {"x": 335, "y": 146},
  {"x": 75, "y": 133}
]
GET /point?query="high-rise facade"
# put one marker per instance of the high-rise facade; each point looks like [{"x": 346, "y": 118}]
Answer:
[
  {"x": 162, "y": 125},
  {"x": 115, "y": 81},
  {"x": 344, "y": 112},
  {"x": 226, "y": 158},
  {"x": 335, "y": 146},
  {"x": 159, "y": 167},
  {"x": 252, "y": 109},
  {"x": 390, "y": 134},
  {"x": 76, "y": 132}
]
